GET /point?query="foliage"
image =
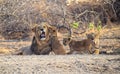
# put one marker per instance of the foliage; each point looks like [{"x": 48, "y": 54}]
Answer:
[
  {"x": 20, "y": 15},
  {"x": 91, "y": 25},
  {"x": 99, "y": 27},
  {"x": 75, "y": 25}
]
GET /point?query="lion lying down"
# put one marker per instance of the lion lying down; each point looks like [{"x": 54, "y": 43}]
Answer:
[
  {"x": 44, "y": 41},
  {"x": 80, "y": 47}
]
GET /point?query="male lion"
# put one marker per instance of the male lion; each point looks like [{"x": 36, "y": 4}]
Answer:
[
  {"x": 41, "y": 40},
  {"x": 40, "y": 43},
  {"x": 44, "y": 41},
  {"x": 79, "y": 47}
]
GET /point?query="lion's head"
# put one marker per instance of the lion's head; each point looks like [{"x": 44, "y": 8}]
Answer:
[
  {"x": 43, "y": 31},
  {"x": 66, "y": 41},
  {"x": 90, "y": 36}
]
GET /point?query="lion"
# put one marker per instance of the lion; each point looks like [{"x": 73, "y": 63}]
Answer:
[
  {"x": 23, "y": 51},
  {"x": 79, "y": 47},
  {"x": 44, "y": 44},
  {"x": 57, "y": 47},
  {"x": 44, "y": 41}
]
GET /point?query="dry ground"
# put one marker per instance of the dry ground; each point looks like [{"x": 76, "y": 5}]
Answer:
[{"x": 69, "y": 64}]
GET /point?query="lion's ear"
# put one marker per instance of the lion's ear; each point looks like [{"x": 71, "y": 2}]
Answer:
[
  {"x": 52, "y": 29},
  {"x": 34, "y": 27}
]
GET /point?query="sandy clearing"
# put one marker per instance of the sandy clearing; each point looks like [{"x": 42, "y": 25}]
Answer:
[{"x": 60, "y": 64}]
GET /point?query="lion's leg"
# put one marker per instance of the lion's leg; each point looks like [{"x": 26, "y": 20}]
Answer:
[
  {"x": 70, "y": 52},
  {"x": 27, "y": 51},
  {"x": 95, "y": 48},
  {"x": 33, "y": 45},
  {"x": 45, "y": 51},
  {"x": 96, "y": 51},
  {"x": 89, "y": 49},
  {"x": 59, "y": 51},
  {"x": 97, "y": 43}
]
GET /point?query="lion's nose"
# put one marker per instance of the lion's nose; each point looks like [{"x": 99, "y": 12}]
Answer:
[{"x": 41, "y": 29}]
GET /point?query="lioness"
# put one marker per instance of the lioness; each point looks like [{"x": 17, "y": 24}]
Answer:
[
  {"x": 79, "y": 47},
  {"x": 56, "y": 46}
]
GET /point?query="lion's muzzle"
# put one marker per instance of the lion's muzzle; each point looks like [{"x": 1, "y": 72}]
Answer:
[{"x": 42, "y": 35}]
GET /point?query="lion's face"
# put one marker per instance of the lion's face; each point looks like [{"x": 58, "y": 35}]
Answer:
[
  {"x": 44, "y": 31},
  {"x": 91, "y": 36},
  {"x": 41, "y": 31},
  {"x": 66, "y": 41}
]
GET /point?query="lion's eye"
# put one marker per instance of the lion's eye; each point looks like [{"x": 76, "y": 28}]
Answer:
[
  {"x": 44, "y": 27},
  {"x": 53, "y": 30}
]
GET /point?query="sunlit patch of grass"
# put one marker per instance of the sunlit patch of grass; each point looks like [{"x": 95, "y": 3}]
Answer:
[{"x": 5, "y": 50}]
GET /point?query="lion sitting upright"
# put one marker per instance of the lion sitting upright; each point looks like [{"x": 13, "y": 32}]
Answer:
[{"x": 80, "y": 47}]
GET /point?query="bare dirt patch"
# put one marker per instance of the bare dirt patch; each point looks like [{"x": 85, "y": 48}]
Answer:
[{"x": 69, "y": 64}]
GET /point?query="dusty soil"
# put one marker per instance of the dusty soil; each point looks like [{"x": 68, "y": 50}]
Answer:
[{"x": 69, "y": 64}]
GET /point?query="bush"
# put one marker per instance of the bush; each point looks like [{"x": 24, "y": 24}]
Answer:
[{"x": 18, "y": 16}]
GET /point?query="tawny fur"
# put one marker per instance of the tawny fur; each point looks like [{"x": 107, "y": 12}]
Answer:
[
  {"x": 37, "y": 49},
  {"x": 57, "y": 47},
  {"x": 80, "y": 47},
  {"x": 43, "y": 47}
]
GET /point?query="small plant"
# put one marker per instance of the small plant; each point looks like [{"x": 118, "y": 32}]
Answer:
[
  {"x": 75, "y": 25},
  {"x": 99, "y": 27},
  {"x": 91, "y": 26}
]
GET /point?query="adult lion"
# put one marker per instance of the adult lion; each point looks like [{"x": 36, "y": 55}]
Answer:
[
  {"x": 44, "y": 41},
  {"x": 41, "y": 40}
]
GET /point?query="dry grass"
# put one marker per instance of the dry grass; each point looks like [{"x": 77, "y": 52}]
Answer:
[
  {"x": 18, "y": 16},
  {"x": 11, "y": 46},
  {"x": 78, "y": 1},
  {"x": 5, "y": 50}
]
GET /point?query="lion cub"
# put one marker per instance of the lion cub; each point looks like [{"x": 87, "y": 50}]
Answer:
[{"x": 80, "y": 47}]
